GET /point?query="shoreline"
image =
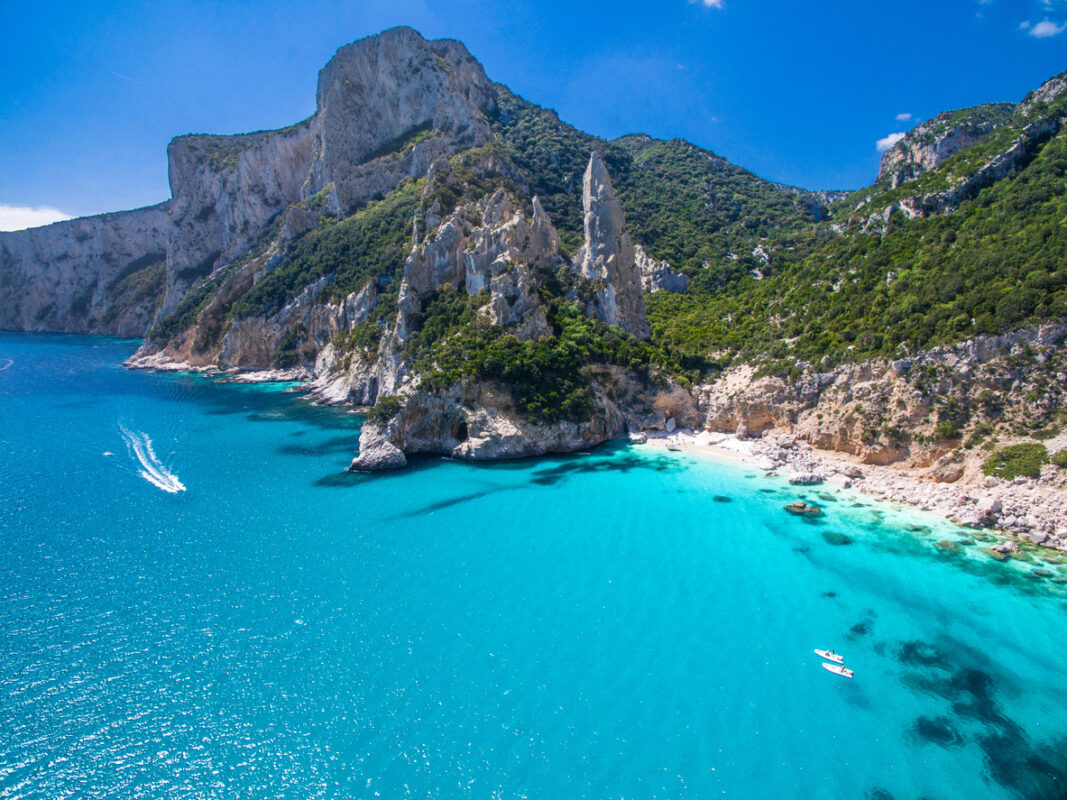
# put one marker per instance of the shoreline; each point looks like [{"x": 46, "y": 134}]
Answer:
[
  {"x": 1020, "y": 509},
  {"x": 1024, "y": 509}
]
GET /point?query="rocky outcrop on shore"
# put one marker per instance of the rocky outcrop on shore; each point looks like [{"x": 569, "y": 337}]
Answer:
[
  {"x": 1035, "y": 509},
  {"x": 478, "y": 423},
  {"x": 914, "y": 411}
]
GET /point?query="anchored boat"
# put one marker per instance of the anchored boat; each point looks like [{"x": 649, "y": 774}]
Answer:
[{"x": 838, "y": 669}]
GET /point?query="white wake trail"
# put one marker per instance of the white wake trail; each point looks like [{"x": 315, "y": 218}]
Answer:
[
  {"x": 152, "y": 470},
  {"x": 5, "y": 363}
]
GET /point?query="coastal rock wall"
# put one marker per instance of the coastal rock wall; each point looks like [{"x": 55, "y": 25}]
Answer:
[
  {"x": 225, "y": 189},
  {"x": 912, "y": 411},
  {"x": 478, "y": 423},
  {"x": 100, "y": 274}
]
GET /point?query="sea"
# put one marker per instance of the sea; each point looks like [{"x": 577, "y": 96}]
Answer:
[{"x": 198, "y": 601}]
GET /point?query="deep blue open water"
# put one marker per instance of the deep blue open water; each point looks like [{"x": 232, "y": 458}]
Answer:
[{"x": 217, "y": 610}]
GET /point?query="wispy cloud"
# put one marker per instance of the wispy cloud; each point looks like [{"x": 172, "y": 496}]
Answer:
[
  {"x": 125, "y": 77},
  {"x": 889, "y": 141},
  {"x": 1024, "y": 24},
  {"x": 904, "y": 117},
  {"x": 15, "y": 218},
  {"x": 710, "y": 3},
  {"x": 1045, "y": 29}
]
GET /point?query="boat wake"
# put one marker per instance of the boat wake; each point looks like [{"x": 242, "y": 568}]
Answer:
[
  {"x": 5, "y": 363},
  {"x": 152, "y": 470}
]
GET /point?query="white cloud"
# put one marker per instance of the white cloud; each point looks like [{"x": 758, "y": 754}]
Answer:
[
  {"x": 710, "y": 3},
  {"x": 904, "y": 117},
  {"x": 1024, "y": 25},
  {"x": 1045, "y": 28},
  {"x": 15, "y": 218},
  {"x": 889, "y": 141}
]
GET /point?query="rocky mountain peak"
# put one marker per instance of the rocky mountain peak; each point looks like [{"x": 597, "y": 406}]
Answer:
[
  {"x": 395, "y": 97},
  {"x": 1047, "y": 92},
  {"x": 928, "y": 145},
  {"x": 608, "y": 257}
]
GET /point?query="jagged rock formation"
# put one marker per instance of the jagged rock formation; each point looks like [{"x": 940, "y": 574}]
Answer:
[
  {"x": 101, "y": 274},
  {"x": 913, "y": 410},
  {"x": 607, "y": 257},
  {"x": 486, "y": 246},
  {"x": 928, "y": 145},
  {"x": 658, "y": 276},
  {"x": 388, "y": 106}
]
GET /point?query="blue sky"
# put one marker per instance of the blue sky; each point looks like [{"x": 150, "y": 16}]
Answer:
[{"x": 797, "y": 92}]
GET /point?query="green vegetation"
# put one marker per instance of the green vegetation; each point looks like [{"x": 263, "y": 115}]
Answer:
[
  {"x": 143, "y": 287},
  {"x": 997, "y": 263},
  {"x": 223, "y": 152},
  {"x": 287, "y": 354},
  {"x": 371, "y": 243},
  {"x": 384, "y": 410},
  {"x": 1044, "y": 434},
  {"x": 547, "y": 378},
  {"x": 1018, "y": 459},
  {"x": 1060, "y": 459},
  {"x": 948, "y": 430}
]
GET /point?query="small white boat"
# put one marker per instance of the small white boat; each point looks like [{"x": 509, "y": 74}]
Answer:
[
  {"x": 837, "y": 669},
  {"x": 830, "y": 655}
]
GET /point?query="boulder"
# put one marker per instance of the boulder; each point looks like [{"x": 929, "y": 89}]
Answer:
[
  {"x": 802, "y": 509},
  {"x": 806, "y": 479},
  {"x": 376, "y": 452}
]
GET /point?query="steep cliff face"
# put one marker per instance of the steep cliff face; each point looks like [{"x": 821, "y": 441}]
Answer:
[
  {"x": 489, "y": 246},
  {"x": 607, "y": 257},
  {"x": 225, "y": 189},
  {"x": 101, "y": 274},
  {"x": 388, "y": 106},
  {"x": 933, "y": 142}
]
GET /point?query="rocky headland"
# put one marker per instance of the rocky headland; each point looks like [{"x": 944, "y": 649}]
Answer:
[{"x": 487, "y": 282}]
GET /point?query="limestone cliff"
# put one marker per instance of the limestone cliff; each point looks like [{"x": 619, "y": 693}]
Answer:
[
  {"x": 101, "y": 274},
  {"x": 917, "y": 411},
  {"x": 225, "y": 189},
  {"x": 388, "y": 106},
  {"x": 928, "y": 145},
  {"x": 608, "y": 257}
]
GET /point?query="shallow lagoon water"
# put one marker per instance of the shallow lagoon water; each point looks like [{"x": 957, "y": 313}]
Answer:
[{"x": 622, "y": 623}]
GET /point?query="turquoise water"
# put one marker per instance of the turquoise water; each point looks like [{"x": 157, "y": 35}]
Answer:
[{"x": 619, "y": 624}]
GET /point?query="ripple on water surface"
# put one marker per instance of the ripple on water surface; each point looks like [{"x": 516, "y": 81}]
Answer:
[{"x": 616, "y": 623}]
